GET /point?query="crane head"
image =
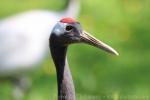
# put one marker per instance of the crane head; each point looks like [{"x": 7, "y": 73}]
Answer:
[{"x": 68, "y": 31}]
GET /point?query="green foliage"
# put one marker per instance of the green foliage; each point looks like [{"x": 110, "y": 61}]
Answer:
[{"x": 123, "y": 24}]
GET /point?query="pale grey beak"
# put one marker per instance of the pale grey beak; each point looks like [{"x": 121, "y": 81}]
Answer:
[{"x": 91, "y": 40}]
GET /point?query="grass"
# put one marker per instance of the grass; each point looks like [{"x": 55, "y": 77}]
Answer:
[{"x": 124, "y": 24}]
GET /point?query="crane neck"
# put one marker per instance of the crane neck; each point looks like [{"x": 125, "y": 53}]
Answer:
[
  {"x": 66, "y": 89},
  {"x": 73, "y": 8}
]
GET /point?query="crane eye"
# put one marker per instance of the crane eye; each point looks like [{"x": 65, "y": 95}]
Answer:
[{"x": 69, "y": 28}]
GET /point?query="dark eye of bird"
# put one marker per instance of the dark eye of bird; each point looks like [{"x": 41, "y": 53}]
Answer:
[{"x": 69, "y": 28}]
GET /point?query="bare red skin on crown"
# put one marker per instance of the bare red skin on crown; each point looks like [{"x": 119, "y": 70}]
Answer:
[{"x": 68, "y": 20}]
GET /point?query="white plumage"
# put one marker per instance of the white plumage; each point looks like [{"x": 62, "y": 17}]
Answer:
[
  {"x": 24, "y": 37},
  {"x": 24, "y": 43}
]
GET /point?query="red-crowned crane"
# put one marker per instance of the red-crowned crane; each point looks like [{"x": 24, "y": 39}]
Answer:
[
  {"x": 68, "y": 31},
  {"x": 24, "y": 42}
]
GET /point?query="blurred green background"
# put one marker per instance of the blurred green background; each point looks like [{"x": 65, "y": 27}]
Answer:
[{"x": 123, "y": 24}]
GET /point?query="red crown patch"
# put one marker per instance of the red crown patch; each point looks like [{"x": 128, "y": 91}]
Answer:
[{"x": 67, "y": 20}]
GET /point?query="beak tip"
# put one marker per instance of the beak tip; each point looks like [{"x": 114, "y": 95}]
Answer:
[
  {"x": 113, "y": 51},
  {"x": 116, "y": 53}
]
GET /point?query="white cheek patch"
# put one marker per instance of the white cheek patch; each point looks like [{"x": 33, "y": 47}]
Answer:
[
  {"x": 59, "y": 28},
  {"x": 57, "y": 31}
]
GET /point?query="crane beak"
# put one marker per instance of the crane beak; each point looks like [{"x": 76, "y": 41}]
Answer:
[{"x": 91, "y": 40}]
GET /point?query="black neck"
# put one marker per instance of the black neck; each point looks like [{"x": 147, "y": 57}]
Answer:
[{"x": 64, "y": 79}]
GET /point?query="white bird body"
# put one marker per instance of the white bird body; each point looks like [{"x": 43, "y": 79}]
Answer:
[
  {"x": 24, "y": 38},
  {"x": 24, "y": 43}
]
